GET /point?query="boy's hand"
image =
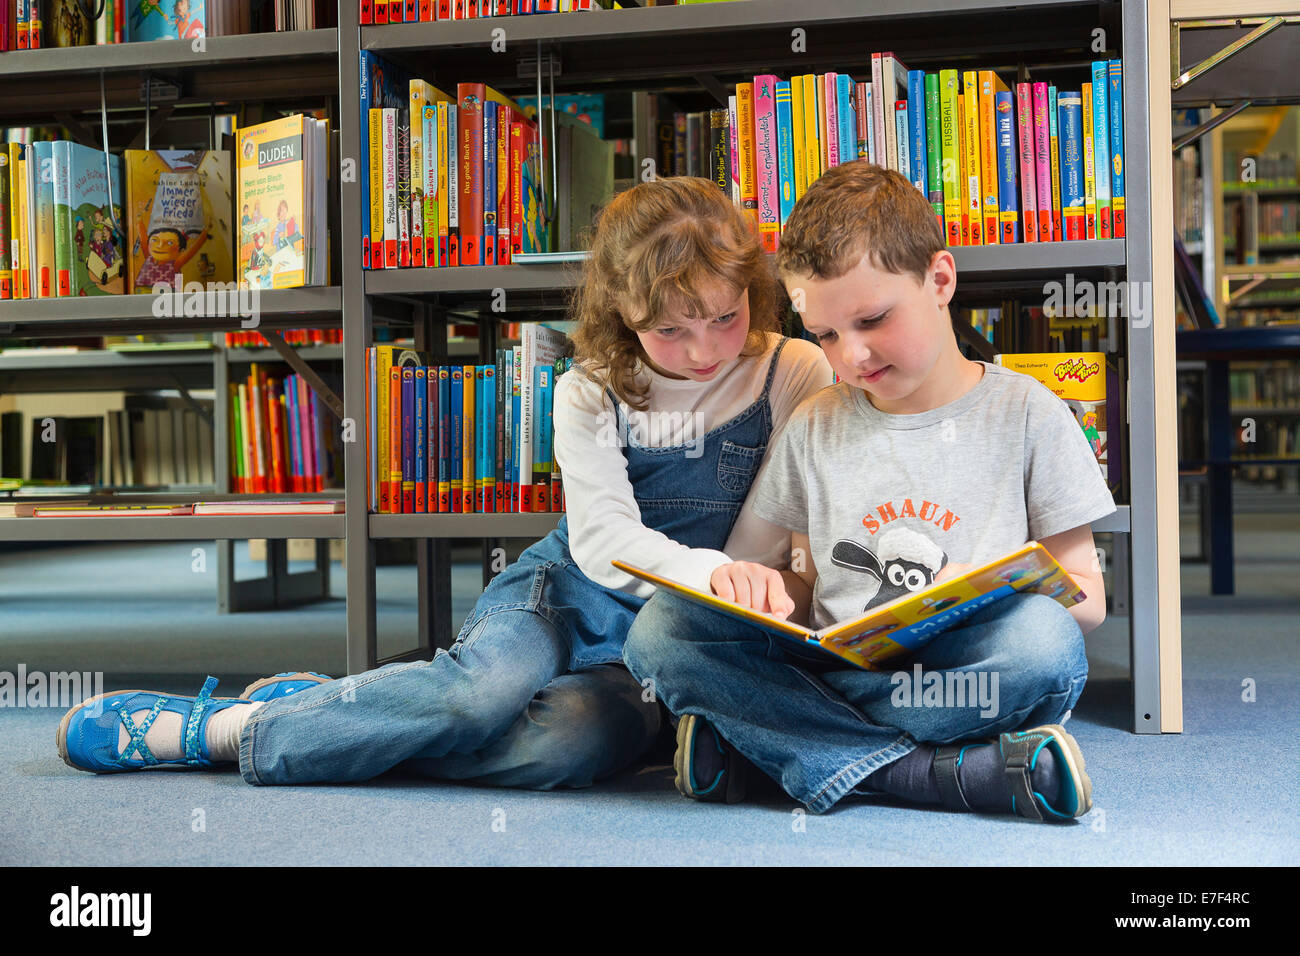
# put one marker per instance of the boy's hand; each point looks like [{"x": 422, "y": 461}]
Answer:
[
  {"x": 754, "y": 586},
  {"x": 952, "y": 571}
]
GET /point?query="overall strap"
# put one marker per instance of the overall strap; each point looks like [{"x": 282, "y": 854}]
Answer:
[{"x": 771, "y": 367}]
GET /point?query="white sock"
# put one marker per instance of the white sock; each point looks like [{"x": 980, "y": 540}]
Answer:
[{"x": 164, "y": 735}]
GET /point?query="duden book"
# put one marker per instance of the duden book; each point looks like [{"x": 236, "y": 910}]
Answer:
[{"x": 889, "y": 632}]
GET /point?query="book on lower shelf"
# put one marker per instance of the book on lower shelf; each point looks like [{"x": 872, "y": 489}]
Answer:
[
  {"x": 886, "y": 634},
  {"x": 260, "y": 506},
  {"x": 109, "y": 511}
]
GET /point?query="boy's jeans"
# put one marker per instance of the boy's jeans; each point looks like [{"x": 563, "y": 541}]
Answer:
[
  {"x": 497, "y": 708},
  {"x": 820, "y": 727}
]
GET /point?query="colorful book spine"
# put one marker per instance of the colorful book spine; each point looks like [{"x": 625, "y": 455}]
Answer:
[
  {"x": 990, "y": 85},
  {"x": 420, "y": 424},
  {"x": 1072, "y": 194},
  {"x": 500, "y": 417},
  {"x": 469, "y": 97},
  {"x": 766, "y": 161},
  {"x": 812, "y": 138},
  {"x": 1089, "y": 154},
  {"x": 868, "y": 136},
  {"x": 902, "y": 134},
  {"x": 831, "y": 127},
  {"x": 392, "y": 238},
  {"x": 949, "y": 120},
  {"x": 489, "y": 162},
  {"x": 6, "y": 220},
  {"x": 455, "y": 439},
  {"x": 421, "y": 93},
  {"x": 733, "y": 150},
  {"x": 973, "y": 213},
  {"x": 60, "y": 168},
  {"x": 799, "y": 162},
  {"x": 1042, "y": 163},
  {"x": 469, "y": 416},
  {"x": 429, "y": 208},
  {"x": 396, "y": 465},
  {"x": 848, "y": 138},
  {"x": 1101, "y": 148},
  {"x": 745, "y": 142},
  {"x": 785, "y": 150},
  {"x": 1028, "y": 185},
  {"x": 373, "y": 231},
  {"x": 403, "y": 159},
  {"x": 541, "y": 444},
  {"x": 1054, "y": 141},
  {"x": 916, "y": 131},
  {"x": 516, "y": 426},
  {"x": 1115, "y": 101},
  {"x": 934, "y": 147},
  {"x": 504, "y": 116},
  {"x": 43, "y": 178},
  {"x": 489, "y": 429},
  {"x": 444, "y": 439}
]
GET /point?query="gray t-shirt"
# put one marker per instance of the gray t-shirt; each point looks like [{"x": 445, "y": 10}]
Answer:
[{"x": 888, "y": 500}]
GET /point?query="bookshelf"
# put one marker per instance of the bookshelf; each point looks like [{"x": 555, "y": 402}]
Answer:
[
  {"x": 705, "y": 47},
  {"x": 702, "y": 47}
]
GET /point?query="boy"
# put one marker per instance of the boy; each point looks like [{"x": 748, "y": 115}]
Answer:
[{"x": 916, "y": 466}]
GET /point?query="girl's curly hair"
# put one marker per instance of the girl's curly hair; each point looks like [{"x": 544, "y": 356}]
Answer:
[{"x": 654, "y": 248}]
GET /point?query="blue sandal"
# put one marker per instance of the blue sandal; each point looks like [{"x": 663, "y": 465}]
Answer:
[
  {"x": 88, "y": 734},
  {"x": 283, "y": 684}
]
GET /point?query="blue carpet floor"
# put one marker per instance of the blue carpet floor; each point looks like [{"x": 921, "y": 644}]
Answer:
[{"x": 1213, "y": 795}]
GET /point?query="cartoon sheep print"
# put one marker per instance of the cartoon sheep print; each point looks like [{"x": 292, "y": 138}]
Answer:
[{"x": 905, "y": 561}]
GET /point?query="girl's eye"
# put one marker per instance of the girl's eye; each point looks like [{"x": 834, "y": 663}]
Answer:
[
  {"x": 825, "y": 336},
  {"x": 667, "y": 333},
  {"x": 868, "y": 323},
  {"x": 724, "y": 319}
]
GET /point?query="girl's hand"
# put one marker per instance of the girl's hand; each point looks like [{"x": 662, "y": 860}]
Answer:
[
  {"x": 754, "y": 586},
  {"x": 951, "y": 571}
]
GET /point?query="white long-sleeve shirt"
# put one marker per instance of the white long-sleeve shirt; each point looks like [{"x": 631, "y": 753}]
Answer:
[{"x": 603, "y": 516}]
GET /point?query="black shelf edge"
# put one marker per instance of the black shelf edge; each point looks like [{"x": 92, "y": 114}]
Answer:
[
  {"x": 464, "y": 525},
  {"x": 169, "y": 54},
  {"x": 663, "y": 23},
  {"x": 974, "y": 263},
  {"x": 1249, "y": 343},
  {"x": 312, "y": 353}
]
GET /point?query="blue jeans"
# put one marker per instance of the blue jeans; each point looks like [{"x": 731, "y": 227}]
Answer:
[
  {"x": 818, "y": 726},
  {"x": 500, "y": 707}
]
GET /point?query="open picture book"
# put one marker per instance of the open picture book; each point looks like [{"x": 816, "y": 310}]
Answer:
[{"x": 888, "y": 633}]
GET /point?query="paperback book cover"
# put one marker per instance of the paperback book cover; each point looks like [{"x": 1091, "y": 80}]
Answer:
[
  {"x": 97, "y": 244},
  {"x": 271, "y": 203},
  {"x": 889, "y": 632},
  {"x": 1079, "y": 380},
  {"x": 178, "y": 211},
  {"x": 165, "y": 20}
]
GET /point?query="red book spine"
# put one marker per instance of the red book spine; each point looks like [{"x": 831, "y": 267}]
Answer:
[
  {"x": 469, "y": 123},
  {"x": 444, "y": 10},
  {"x": 1028, "y": 186},
  {"x": 426, "y": 11},
  {"x": 277, "y": 437},
  {"x": 516, "y": 188},
  {"x": 381, "y": 11},
  {"x": 365, "y": 15},
  {"x": 395, "y": 11},
  {"x": 412, "y": 14}
]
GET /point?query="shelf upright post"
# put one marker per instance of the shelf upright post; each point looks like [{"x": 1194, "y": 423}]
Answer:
[
  {"x": 360, "y": 552},
  {"x": 1154, "y": 619}
]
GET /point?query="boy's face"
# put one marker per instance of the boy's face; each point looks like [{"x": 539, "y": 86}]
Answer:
[
  {"x": 696, "y": 348},
  {"x": 882, "y": 332}
]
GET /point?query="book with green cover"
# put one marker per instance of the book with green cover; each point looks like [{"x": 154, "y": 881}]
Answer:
[{"x": 95, "y": 237}]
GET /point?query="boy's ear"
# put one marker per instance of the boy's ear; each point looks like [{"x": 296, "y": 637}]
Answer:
[{"x": 943, "y": 273}]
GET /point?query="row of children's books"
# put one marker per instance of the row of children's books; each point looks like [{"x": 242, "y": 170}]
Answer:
[
  {"x": 33, "y": 24},
  {"x": 252, "y": 339},
  {"x": 464, "y": 438},
  {"x": 429, "y": 11},
  {"x": 1036, "y": 164},
  {"x": 65, "y": 232},
  {"x": 282, "y": 437}
]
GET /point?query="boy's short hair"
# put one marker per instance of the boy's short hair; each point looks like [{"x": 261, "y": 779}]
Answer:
[{"x": 854, "y": 208}]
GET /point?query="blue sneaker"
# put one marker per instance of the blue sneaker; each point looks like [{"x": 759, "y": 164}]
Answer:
[
  {"x": 283, "y": 684},
  {"x": 707, "y": 768},
  {"x": 87, "y": 735}
]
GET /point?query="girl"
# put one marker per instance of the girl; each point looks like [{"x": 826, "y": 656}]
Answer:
[{"x": 679, "y": 381}]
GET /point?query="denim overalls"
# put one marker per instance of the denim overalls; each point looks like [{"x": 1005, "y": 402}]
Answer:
[{"x": 522, "y": 698}]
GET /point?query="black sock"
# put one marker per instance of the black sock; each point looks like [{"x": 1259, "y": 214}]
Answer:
[{"x": 981, "y": 774}]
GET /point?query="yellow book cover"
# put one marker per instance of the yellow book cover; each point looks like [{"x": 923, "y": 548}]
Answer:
[
  {"x": 424, "y": 207},
  {"x": 1079, "y": 380},
  {"x": 745, "y": 150},
  {"x": 375, "y": 162},
  {"x": 25, "y": 201},
  {"x": 886, "y": 634},
  {"x": 990, "y": 85},
  {"x": 950, "y": 142},
  {"x": 812, "y": 141},
  {"x": 178, "y": 217},
  {"x": 1089, "y": 185},
  {"x": 963, "y": 183},
  {"x": 797, "y": 140},
  {"x": 973, "y": 194},
  {"x": 444, "y": 206},
  {"x": 272, "y": 248}
]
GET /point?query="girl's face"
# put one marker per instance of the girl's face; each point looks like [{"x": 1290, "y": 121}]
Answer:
[
  {"x": 164, "y": 246},
  {"x": 696, "y": 348}
]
